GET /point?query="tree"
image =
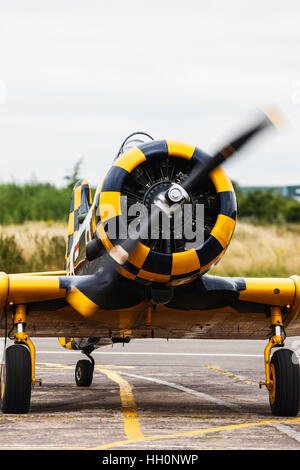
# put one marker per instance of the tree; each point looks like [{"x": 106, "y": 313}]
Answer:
[{"x": 72, "y": 178}]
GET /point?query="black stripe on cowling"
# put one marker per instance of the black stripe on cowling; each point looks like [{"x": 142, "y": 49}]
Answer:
[
  {"x": 200, "y": 157},
  {"x": 85, "y": 198},
  {"x": 70, "y": 243},
  {"x": 72, "y": 202},
  {"x": 209, "y": 251},
  {"x": 154, "y": 149},
  {"x": 114, "y": 179},
  {"x": 76, "y": 223},
  {"x": 131, "y": 268},
  {"x": 228, "y": 204},
  {"x": 158, "y": 263}
]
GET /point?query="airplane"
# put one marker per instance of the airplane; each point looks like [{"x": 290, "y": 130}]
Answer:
[{"x": 119, "y": 285}]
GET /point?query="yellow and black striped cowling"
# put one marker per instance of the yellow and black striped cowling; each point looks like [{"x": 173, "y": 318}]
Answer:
[{"x": 145, "y": 264}]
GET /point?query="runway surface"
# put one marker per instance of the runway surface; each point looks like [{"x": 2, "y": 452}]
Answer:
[{"x": 153, "y": 394}]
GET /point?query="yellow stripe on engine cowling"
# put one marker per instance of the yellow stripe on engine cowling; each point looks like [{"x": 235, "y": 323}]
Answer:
[
  {"x": 126, "y": 274},
  {"x": 104, "y": 238},
  {"x": 109, "y": 205},
  {"x": 138, "y": 255},
  {"x": 223, "y": 229},
  {"x": 153, "y": 277},
  {"x": 130, "y": 160},
  {"x": 220, "y": 180},
  {"x": 179, "y": 149},
  {"x": 185, "y": 262}
]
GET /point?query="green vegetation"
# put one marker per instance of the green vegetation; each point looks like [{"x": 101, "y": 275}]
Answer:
[
  {"x": 33, "y": 201},
  {"x": 267, "y": 207}
]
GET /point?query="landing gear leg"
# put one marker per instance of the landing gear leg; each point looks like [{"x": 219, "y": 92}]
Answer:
[
  {"x": 282, "y": 371},
  {"x": 18, "y": 370},
  {"x": 84, "y": 369}
]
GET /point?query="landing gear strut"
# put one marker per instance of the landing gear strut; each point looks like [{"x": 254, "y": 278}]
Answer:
[
  {"x": 84, "y": 369},
  {"x": 18, "y": 369},
  {"x": 282, "y": 371}
]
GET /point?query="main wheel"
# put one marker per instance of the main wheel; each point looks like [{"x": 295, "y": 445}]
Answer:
[
  {"x": 16, "y": 380},
  {"x": 284, "y": 396},
  {"x": 84, "y": 373}
]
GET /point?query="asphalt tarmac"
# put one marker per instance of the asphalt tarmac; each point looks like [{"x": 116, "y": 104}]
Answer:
[{"x": 153, "y": 394}]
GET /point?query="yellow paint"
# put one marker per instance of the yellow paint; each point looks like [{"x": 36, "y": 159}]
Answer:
[
  {"x": 231, "y": 375},
  {"x": 126, "y": 273},
  {"x": 81, "y": 303},
  {"x": 109, "y": 205},
  {"x": 220, "y": 180},
  {"x": 139, "y": 255},
  {"x": 131, "y": 424},
  {"x": 149, "y": 276},
  {"x": 77, "y": 197},
  {"x": 48, "y": 273},
  {"x": 179, "y": 149},
  {"x": 24, "y": 289},
  {"x": 296, "y": 304},
  {"x": 271, "y": 291},
  {"x": 71, "y": 223},
  {"x": 130, "y": 160},
  {"x": 62, "y": 342},
  {"x": 24, "y": 338},
  {"x": 20, "y": 315},
  {"x": 223, "y": 229},
  {"x": 103, "y": 237},
  {"x": 195, "y": 433},
  {"x": 185, "y": 262},
  {"x": 4, "y": 283}
]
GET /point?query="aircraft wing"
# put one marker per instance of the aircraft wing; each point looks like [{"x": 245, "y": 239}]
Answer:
[{"x": 108, "y": 305}]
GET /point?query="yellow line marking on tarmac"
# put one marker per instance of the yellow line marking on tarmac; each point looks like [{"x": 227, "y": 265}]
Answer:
[
  {"x": 193, "y": 433},
  {"x": 131, "y": 423},
  {"x": 230, "y": 375}
]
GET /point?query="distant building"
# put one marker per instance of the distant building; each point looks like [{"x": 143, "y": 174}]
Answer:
[{"x": 287, "y": 191}]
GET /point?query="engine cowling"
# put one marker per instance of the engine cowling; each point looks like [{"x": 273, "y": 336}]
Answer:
[{"x": 141, "y": 174}]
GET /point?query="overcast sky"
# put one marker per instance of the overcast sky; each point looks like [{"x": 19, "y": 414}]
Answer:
[{"x": 77, "y": 76}]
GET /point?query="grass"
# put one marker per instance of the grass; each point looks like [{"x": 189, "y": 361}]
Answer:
[
  {"x": 262, "y": 251},
  {"x": 32, "y": 247},
  {"x": 255, "y": 250}
]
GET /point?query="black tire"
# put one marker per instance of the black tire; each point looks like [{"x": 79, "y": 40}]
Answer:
[
  {"x": 16, "y": 380},
  {"x": 84, "y": 373},
  {"x": 284, "y": 399}
]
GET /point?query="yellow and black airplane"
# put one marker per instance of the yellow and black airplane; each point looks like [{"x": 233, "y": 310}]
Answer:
[{"x": 115, "y": 288}]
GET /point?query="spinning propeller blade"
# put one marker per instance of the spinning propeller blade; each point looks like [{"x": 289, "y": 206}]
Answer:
[{"x": 201, "y": 172}]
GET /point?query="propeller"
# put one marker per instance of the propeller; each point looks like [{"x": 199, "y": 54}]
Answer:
[
  {"x": 179, "y": 193},
  {"x": 202, "y": 171}
]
